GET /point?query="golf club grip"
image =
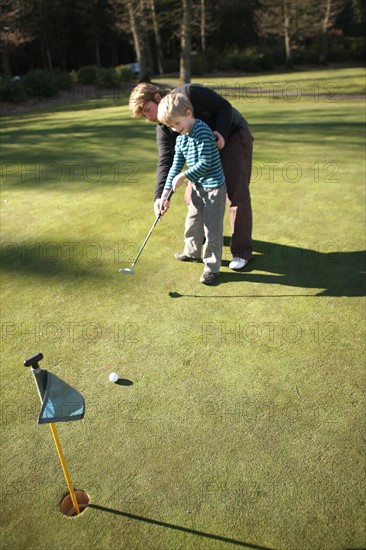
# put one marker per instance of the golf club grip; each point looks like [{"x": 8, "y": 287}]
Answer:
[{"x": 168, "y": 199}]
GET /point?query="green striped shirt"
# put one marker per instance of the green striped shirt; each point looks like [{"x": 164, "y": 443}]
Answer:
[{"x": 199, "y": 151}]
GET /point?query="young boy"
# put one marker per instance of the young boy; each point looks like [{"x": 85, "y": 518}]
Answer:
[{"x": 196, "y": 146}]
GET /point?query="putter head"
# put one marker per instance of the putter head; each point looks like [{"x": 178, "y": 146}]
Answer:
[{"x": 127, "y": 271}]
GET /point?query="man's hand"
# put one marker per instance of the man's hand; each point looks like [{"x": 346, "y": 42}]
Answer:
[
  {"x": 220, "y": 142},
  {"x": 157, "y": 206}
]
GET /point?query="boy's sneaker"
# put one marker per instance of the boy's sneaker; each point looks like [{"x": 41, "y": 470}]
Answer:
[
  {"x": 208, "y": 278},
  {"x": 183, "y": 258},
  {"x": 238, "y": 263}
]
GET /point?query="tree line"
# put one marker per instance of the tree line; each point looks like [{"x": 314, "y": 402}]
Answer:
[{"x": 192, "y": 36}]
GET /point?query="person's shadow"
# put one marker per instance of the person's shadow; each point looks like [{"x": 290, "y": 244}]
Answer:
[{"x": 325, "y": 269}]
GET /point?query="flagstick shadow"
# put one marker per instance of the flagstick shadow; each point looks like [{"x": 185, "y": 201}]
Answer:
[
  {"x": 178, "y": 295},
  {"x": 179, "y": 528}
]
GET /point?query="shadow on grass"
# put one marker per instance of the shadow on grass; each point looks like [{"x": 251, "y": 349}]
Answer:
[
  {"x": 325, "y": 271},
  {"x": 179, "y": 528},
  {"x": 337, "y": 273},
  {"x": 53, "y": 160},
  {"x": 56, "y": 260}
]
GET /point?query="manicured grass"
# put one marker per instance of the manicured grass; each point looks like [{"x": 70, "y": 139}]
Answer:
[
  {"x": 316, "y": 82},
  {"x": 244, "y": 422}
]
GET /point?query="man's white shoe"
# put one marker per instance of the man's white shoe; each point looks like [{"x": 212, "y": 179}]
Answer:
[{"x": 238, "y": 263}]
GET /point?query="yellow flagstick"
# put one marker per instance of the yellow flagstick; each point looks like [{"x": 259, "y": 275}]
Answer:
[
  {"x": 36, "y": 371},
  {"x": 64, "y": 467}
]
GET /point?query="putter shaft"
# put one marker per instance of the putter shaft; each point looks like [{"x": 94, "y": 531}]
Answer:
[{"x": 130, "y": 270}]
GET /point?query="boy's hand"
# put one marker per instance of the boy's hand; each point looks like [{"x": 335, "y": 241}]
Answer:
[
  {"x": 165, "y": 207},
  {"x": 161, "y": 206},
  {"x": 178, "y": 181}
]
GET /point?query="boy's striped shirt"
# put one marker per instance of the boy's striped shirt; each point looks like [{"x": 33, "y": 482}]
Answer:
[{"x": 199, "y": 151}]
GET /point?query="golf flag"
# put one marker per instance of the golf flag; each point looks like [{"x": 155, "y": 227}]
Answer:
[{"x": 60, "y": 402}]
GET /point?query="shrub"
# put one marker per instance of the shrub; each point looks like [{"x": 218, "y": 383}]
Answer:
[
  {"x": 124, "y": 73},
  {"x": 196, "y": 65},
  {"x": 107, "y": 78},
  {"x": 40, "y": 83},
  {"x": 87, "y": 75},
  {"x": 63, "y": 79},
  {"x": 12, "y": 90},
  {"x": 309, "y": 54},
  {"x": 248, "y": 60},
  {"x": 268, "y": 62},
  {"x": 346, "y": 48},
  {"x": 171, "y": 65}
]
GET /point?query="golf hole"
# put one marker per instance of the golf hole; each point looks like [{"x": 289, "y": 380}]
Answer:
[{"x": 67, "y": 507}]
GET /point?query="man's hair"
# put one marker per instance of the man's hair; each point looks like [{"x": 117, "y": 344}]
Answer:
[
  {"x": 141, "y": 94},
  {"x": 173, "y": 105}
]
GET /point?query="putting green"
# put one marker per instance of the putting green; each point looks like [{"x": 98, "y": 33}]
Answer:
[{"x": 239, "y": 416}]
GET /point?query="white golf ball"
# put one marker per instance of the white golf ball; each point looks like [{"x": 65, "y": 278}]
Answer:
[{"x": 113, "y": 377}]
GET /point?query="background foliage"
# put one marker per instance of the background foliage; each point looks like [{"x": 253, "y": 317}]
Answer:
[{"x": 226, "y": 34}]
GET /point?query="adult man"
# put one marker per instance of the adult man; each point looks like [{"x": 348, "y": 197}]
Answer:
[{"x": 234, "y": 141}]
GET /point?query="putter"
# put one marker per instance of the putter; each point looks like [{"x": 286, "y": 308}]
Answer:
[{"x": 130, "y": 270}]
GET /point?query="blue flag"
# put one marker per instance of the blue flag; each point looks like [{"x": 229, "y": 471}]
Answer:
[{"x": 60, "y": 402}]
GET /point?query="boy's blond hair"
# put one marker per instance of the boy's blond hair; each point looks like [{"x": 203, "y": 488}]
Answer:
[
  {"x": 141, "y": 94},
  {"x": 171, "y": 106}
]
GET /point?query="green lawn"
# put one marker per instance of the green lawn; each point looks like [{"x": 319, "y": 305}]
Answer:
[
  {"x": 244, "y": 422},
  {"x": 316, "y": 83}
]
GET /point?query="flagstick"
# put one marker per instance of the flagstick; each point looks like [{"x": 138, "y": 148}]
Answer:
[
  {"x": 64, "y": 467},
  {"x": 36, "y": 371}
]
